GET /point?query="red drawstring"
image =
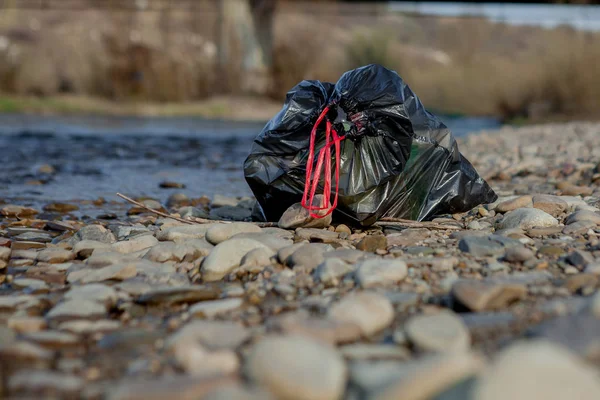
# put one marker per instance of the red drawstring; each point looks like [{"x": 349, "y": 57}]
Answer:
[{"x": 331, "y": 139}]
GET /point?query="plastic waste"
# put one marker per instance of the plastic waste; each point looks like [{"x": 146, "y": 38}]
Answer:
[{"x": 369, "y": 146}]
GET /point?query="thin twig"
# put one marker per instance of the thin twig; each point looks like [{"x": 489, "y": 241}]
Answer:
[
  {"x": 162, "y": 214},
  {"x": 415, "y": 224}
]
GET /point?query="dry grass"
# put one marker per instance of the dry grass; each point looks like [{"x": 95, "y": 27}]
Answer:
[{"x": 466, "y": 66}]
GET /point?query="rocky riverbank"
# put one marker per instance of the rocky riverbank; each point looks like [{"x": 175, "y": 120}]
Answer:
[{"x": 500, "y": 302}]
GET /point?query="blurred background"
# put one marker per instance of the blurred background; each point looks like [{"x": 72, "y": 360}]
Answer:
[
  {"x": 236, "y": 59},
  {"x": 145, "y": 97}
]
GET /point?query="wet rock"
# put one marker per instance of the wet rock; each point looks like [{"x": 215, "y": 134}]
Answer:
[
  {"x": 135, "y": 244},
  {"x": 527, "y": 218},
  {"x": 380, "y": 272},
  {"x": 552, "y": 205},
  {"x": 581, "y": 216},
  {"x": 372, "y": 243},
  {"x": 93, "y": 292},
  {"x": 17, "y": 211},
  {"x": 74, "y": 309},
  {"x": 221, "y": 232},
  {"x": 439, "y": 332},
  {"x": 297, "y": 216},
  {"x": 60, "y": 207},
  {"x": 213, "y": 308},
  {"x": 331, "y": 270},
  {"x": 176, "y": 295},
  {"x": 94, "y": 232},
  {"x": 370, "y": 311},
  {"x": 537, "y": 370},
  {"x": 113, "y": 272},
  {"x": 213, "y": 335},
  {"x": 481, "y": 295},
  {"x": 45, "y": 383},
  {"x": 513, "y": 204},
  {"x": 518, "y": 254},
  {"x": 294, "y": 367},
  {"x": 55, "y": 256},
  {"x": 416, "y": 380},
  {"x": 227, "y": 256},
  {"x": 85, "y": 248}
]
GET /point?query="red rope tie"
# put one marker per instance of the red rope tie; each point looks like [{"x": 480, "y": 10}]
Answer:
[{"x": 313, "y": 177}]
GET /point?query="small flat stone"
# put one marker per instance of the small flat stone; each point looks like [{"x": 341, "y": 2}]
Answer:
[
  {"x": 221, "y": 232},
  {"x": 55, "y": 256},
  {"x": 213, "y": 308},
  {"x": 93, "y": 292},
  {"x": 578, "y": 228},
  {"x": 12, "y": 302},
  {"x": 580, "y": 258},
  {"x": 213, "y": 335},
  {"x": 60, "y": 207},
  {"x": 513, "y": 204},
  {"x": 440, "y": 332},
  {"x": 581, "y": 281},
  {"x": 552, "y": 205},
  {"x": 543, "y": 232},
  {"x": 17, "y": 211},
  {"x": 526, "y": 218},
  {"x": 176, "y": 295},
  {"x": 135, "y": 244},
  {"x": 308, "y": 256},
  {"x": 552, "y": 251},
  {"x": 370, "y": 311},
  {"x": 227, "y": 256},
  {"x": 73, "y": 309},
  {"x": 31, "y": 284},
  {"x": 326, "y": 330},
  {"x": 481, "y": 246},
  {"x": 294, "y": 367},
  {"x": 570, "y": 189},
  {"x": 372, "y": 243},
  {"x": 183, "y": 232},
  {"x": 24, "y": 245},
  {"x": 53, "y": 339},
  {"x": 84, "y": 326},
  {"x": 317, "y": 235},
  {"x": 519, "y": 371},
  {"x": 380, "y": 272},
  {"x": 26, "y": 324},
  {"x": 187, "y": 251},
  {"x": 112, "y": 272},
  {"x": 34, "y": 382},
  {"x": 34, "y": 237},
  {"x": 95, "y": 232},
  {"x": 259, "y": 258},
  {"x": 518, "y": 254},
  {"x": 85, "y": 248},
  {"x": 26, "y": 351},
  {"x": 480, "y": 295},
  {"x": 368, "y": 351},
  {"x": 580, "y": 216}
]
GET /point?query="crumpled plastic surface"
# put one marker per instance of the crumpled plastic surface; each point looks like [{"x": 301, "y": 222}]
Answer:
[{"x": 397, "y": 160}]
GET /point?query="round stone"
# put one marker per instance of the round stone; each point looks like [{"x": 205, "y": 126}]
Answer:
[
  {"x": 370, "y": 311},
  {"x": 438, "y": 332}
]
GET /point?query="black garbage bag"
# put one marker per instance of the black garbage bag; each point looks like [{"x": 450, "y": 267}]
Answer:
[{"x": 375, "y": 152}]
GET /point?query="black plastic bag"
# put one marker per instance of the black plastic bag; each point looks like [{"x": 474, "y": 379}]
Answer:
[{"x": 395, "y": 158}]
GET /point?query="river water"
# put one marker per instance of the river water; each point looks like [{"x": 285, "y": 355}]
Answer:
[{"x": 95, "y": 157}]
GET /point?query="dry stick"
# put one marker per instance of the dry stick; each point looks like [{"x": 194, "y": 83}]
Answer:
[{"x": 162, "y": 214}]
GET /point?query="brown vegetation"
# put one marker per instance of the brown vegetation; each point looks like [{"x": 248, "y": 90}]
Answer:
[{"x": 468, "y": 66}]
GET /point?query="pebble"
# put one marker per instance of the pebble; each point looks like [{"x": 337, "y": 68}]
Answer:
[
  {"x": 481, "y": 246},
  {"x": 60, "y": 207},
  {"x": 441, "y": 332},
  {"x": 518, "y": 254},
  {"x": 331, "y": 270},
  {"x": 183, "y": 232},
  {"x": 372, "y": 243},
  {"x": 190, "y": 212},
  {"x": 212, "y": 335},
  {"x": 135, "y": 244},
  {"x": 342, "y": 228},
  {"x": 73, "y": 309},
  {"x": 222, "y": 201},
  {"x": 187, "y": 251},
  {"x": 177, "y": 199},
  {"x": 580, "y": 258},
  {"x": 552, "y": 205},
  {"x": 95, "y": 232},
  {"x": 581, "y": 216},
  {"x": 317, "y": 235},
  {"x": 308, "y": 256},
  {"x": 55, "y": 255},
  {"x": 537, "y": 369},
  {"x": 370, "y": 311},
  {"x": 169, "y": 295},
  {"x": 195, "y": 360},
  {"x": 35, "y": 383},
  {"x": 294, "y": 367},
  {"x": 213, "y": 308},
  {"x": 221, "y": 232},
  {"x": 481, "y": 295},
  {"x": 17, "y": 211},
  {"x": 513, "y": 204},
  {"x": 85, "y": 248},
  {"x": 259, "y": 258},
  {"x": 93, "y": 292},
  {"x": 297, "y": 216},
  {"x": 422, "y": 379},
  {"x": 569, "y": 189},
  {"x": 112, "y": 272},
  {"x": 26, "y": 324},
  {"x": 578, "y": 228},
  {"x": 526, "y": 218},
  {"x": 380, "y": 272},
  {"x": 30, "y": 284},
  {"x": 227, "y": 256},
  {"x": 24, "y": 245}
]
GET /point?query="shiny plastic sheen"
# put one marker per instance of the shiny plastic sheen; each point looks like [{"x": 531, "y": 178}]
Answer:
[{"x": 397, "y": 160}]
